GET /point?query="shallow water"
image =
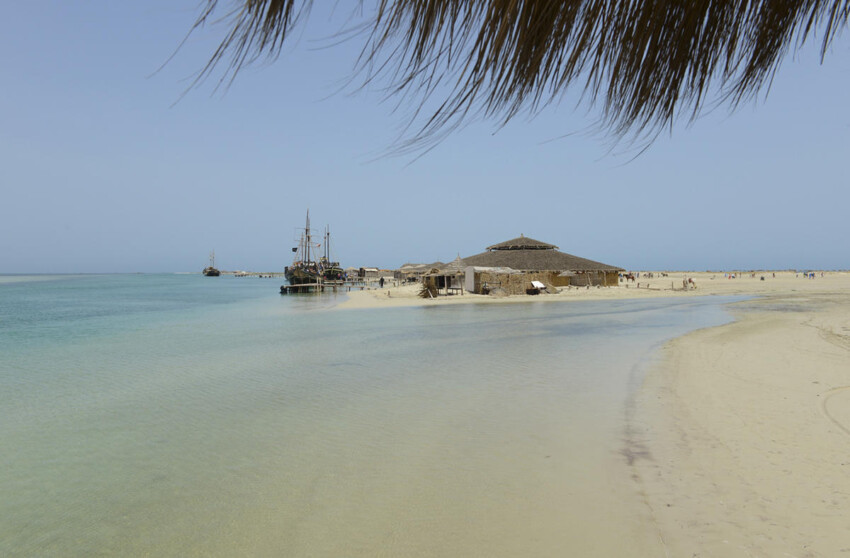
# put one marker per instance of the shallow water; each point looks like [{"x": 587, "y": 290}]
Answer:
[{"x": 175, "y": 415}]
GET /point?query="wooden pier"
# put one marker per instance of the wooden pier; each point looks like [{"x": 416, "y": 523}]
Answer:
[
  {"x": 332, "y": 286},
  {"x": 260, "y": 274}
]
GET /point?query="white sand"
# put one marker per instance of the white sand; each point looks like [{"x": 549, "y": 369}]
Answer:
[{"x": 744, "y": 429}]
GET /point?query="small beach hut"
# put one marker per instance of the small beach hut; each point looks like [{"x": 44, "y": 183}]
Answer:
[
  {"x": 448, "y": 278},
  {"x": 453, "y": 275},
  {"x": 489, "y": 280}
]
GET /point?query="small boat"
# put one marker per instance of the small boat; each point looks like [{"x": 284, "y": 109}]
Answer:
[{"x": 211, "y": 271}]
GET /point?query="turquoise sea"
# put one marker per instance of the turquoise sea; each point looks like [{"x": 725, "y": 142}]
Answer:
[{"x": 179, "y": 415}]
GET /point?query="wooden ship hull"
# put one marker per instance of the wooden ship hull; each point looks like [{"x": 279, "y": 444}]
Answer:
[
  {"x": 333, "y": 273},
  {"x": 301, "y": 275}
]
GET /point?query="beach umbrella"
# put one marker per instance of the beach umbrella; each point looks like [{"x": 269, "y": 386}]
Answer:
[{"x": 642, "y": 62}]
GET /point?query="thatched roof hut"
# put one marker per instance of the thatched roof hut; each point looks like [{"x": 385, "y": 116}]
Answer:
[
  {"x": 410, "y": 272},
  {"x": 447, "y": 276},
  {"x": 528, "y": 254}
]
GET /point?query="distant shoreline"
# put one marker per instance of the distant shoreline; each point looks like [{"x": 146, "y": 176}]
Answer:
[{"x": 280, "y": 273}]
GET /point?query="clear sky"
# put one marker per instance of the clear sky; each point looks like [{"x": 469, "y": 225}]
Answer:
[{"x": 104, "y": 167}]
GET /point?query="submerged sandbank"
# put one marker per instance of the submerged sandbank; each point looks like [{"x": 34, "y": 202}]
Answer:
[{"x": 739, "y": 437}]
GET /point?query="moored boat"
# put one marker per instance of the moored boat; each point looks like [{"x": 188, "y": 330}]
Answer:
[
  {"x": 211, "y": 270},
  {"x": 304, "y": 270},
  {"x": 331, "y": 270}
]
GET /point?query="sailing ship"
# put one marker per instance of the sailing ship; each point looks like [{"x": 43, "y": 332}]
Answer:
[
  {"x": 211, "y": 271},
  {"x": 304, "y": 270},
  {"x": 331, "y": 270}
]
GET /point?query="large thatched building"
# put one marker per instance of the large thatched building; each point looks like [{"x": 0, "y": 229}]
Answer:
[{"x": 540, "y": 259}]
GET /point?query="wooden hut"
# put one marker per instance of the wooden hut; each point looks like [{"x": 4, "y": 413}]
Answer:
[
  {"x": 448, "y": 278},
  {"x": 495, "y": 280}
]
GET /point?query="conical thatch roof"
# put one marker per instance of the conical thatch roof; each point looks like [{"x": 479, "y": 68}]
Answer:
[
  {"x": 527, "y": 254},
  {"x": 455, "y": 267},
  {"x": 522, "y": 243}
]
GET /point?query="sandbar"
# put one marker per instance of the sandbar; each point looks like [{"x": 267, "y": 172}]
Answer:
[{"x": 741, "y": 433}]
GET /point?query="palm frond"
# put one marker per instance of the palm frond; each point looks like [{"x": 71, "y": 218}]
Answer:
[{"x": 643, "y": 63}]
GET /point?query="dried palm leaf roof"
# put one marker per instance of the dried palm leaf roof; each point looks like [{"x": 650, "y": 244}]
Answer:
[
  {"x": 536, "y": 260},
  {"x": 527, "y": 254},
  {"x": 410, "y": 265},
  {"x": 420, "y": 268},
  {"x": 644, "y": 62},
  {"x": 522, "y": 243},
  {"x": 457, "y": 266}
]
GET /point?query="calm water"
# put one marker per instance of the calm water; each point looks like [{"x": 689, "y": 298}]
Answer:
[{"x": 177, "y": 415}]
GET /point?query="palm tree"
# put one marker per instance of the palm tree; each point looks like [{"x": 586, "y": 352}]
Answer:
[{"x": 643, "y": 63}]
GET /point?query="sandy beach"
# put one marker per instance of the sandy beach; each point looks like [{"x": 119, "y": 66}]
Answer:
[
  {"x": 742, "y": 433},
  {"x": 706, "y": 283},
  {"x": 739, "y": 438}
]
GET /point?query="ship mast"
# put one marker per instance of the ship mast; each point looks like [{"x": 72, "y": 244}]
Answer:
[
  {"x": 307, "y": 235},
  {"x": 212, "y": 258},
  {"x": 327, "y": 243}
]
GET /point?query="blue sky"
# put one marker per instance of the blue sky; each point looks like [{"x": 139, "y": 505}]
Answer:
[{"x": 108, "y": 167}]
